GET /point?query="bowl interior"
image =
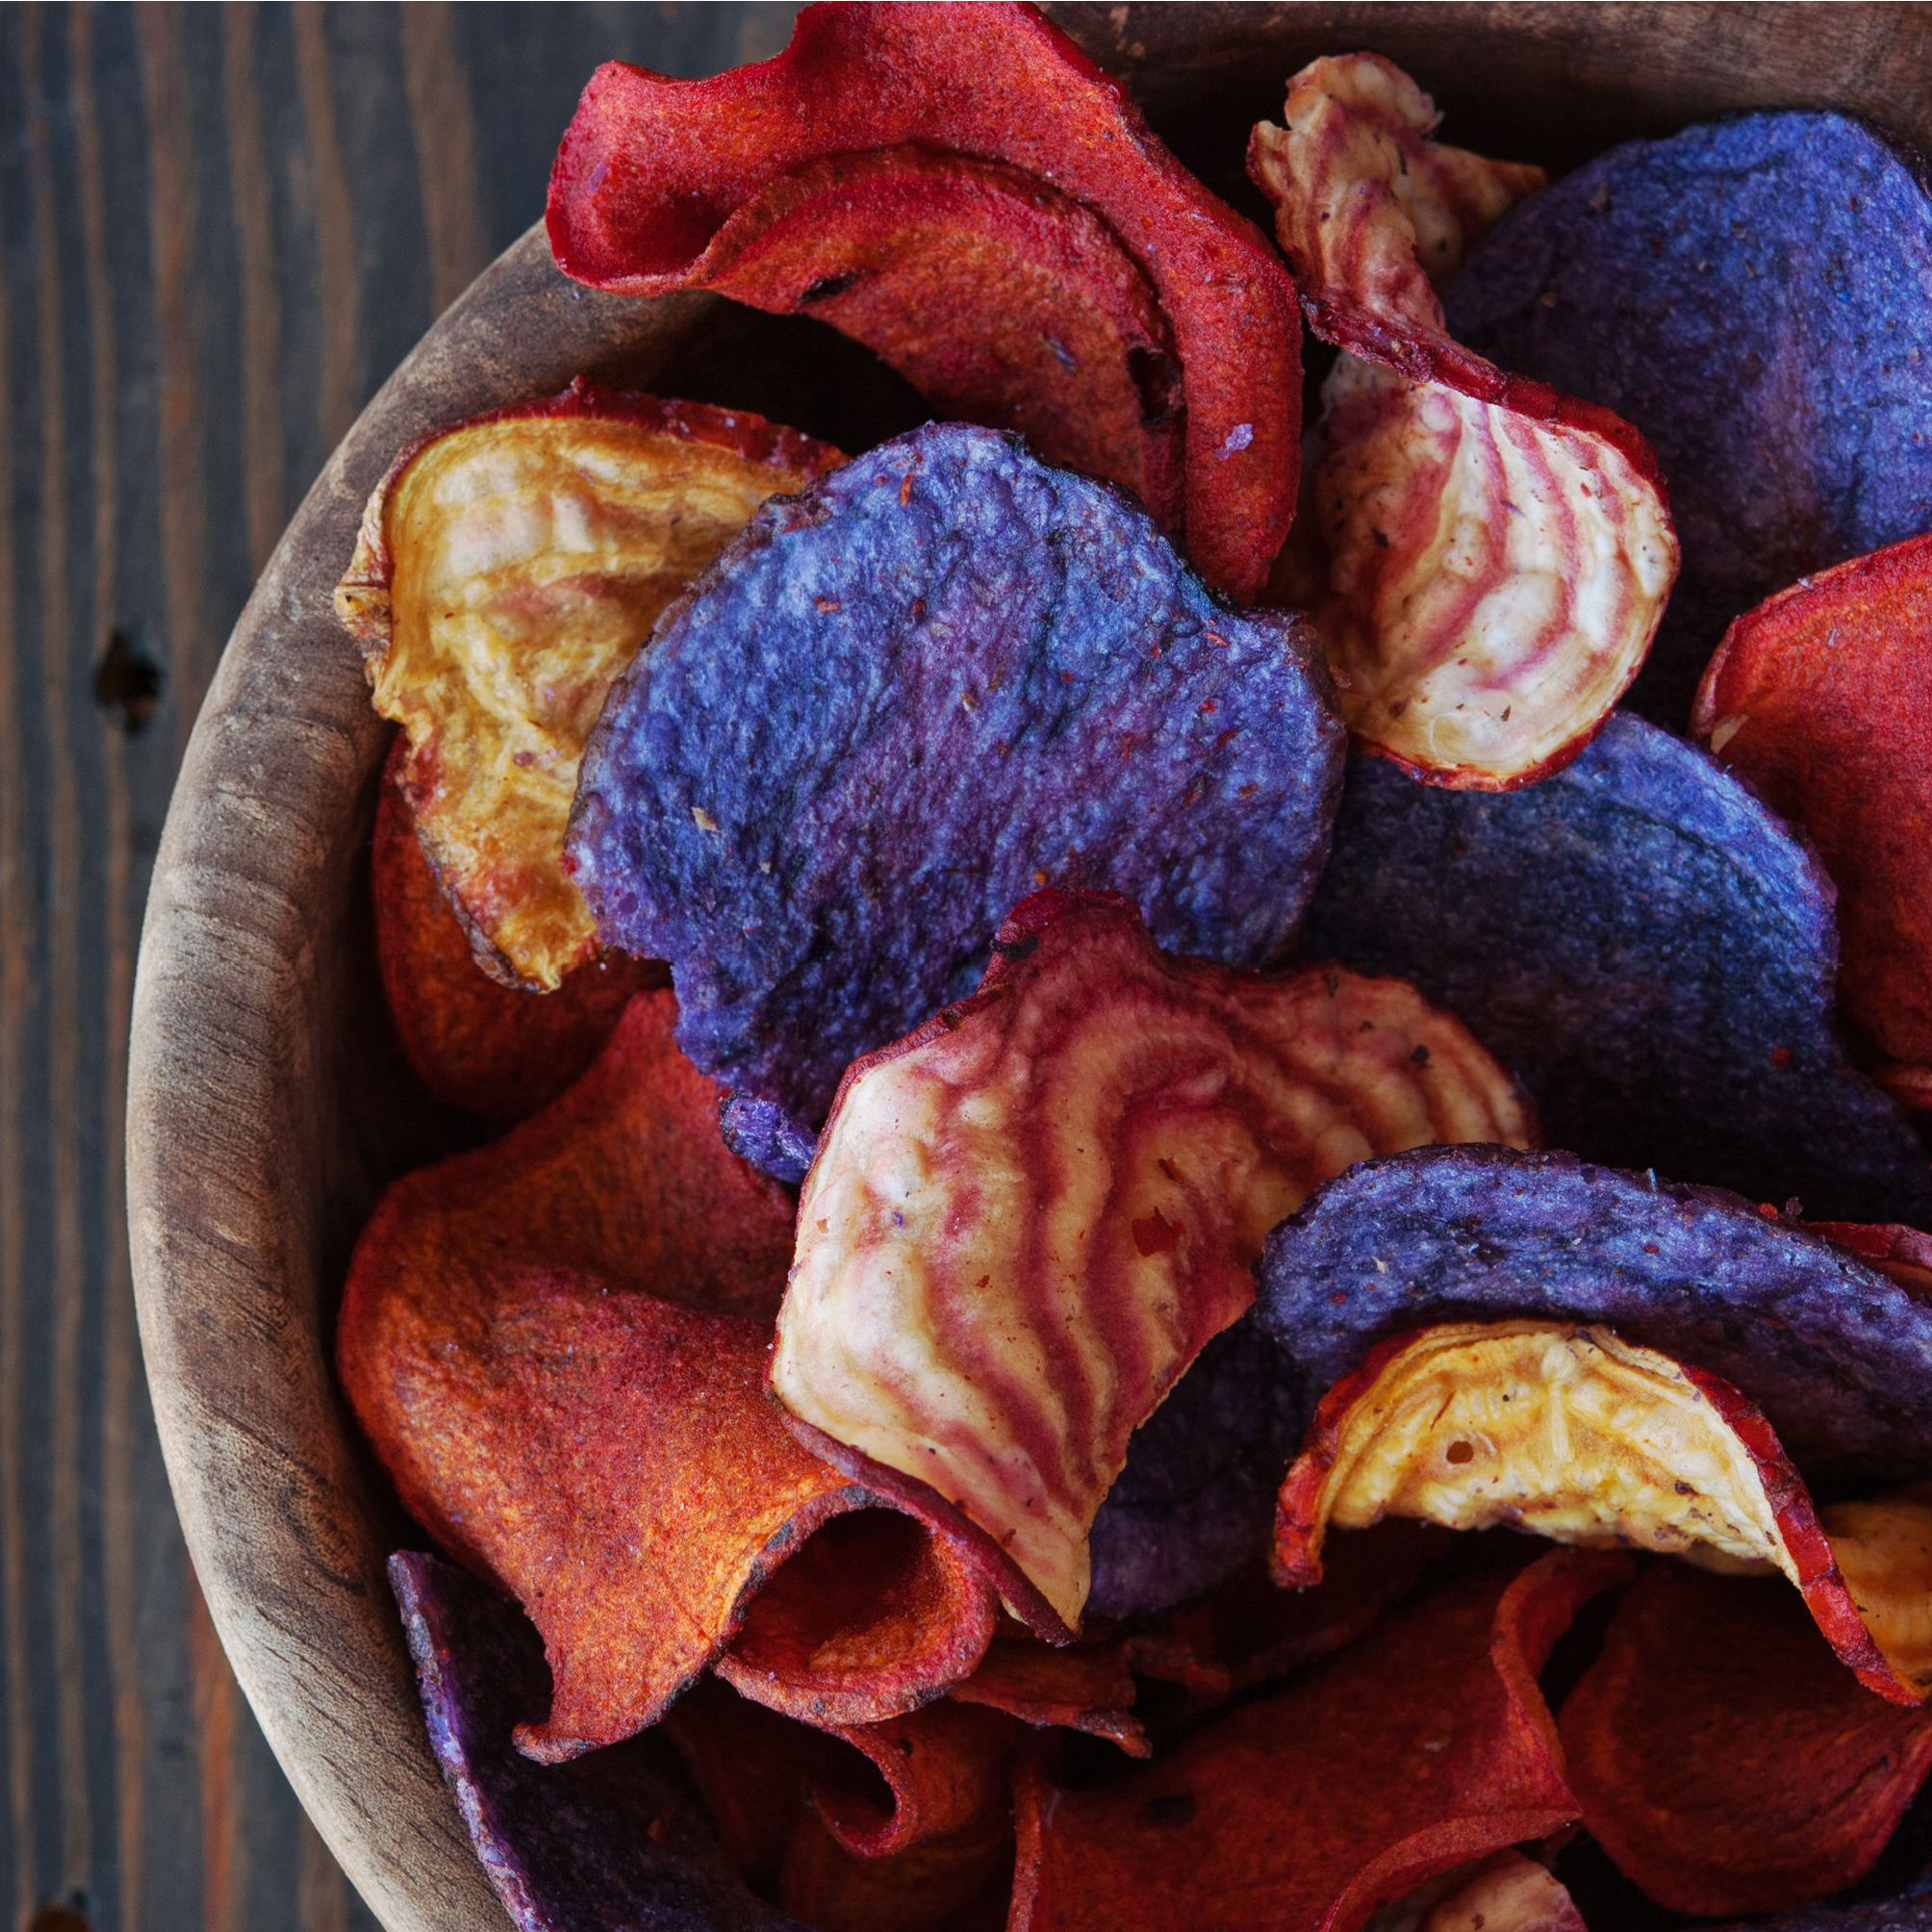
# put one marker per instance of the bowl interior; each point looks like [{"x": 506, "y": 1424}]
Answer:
[{"x": 268, "y": 1099}]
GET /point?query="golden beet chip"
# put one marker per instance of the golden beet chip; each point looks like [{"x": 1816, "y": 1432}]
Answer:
[
  {"x": 1374, "y": 215},
  {"x": 502, "y": 1052},
  {"x": 1574, "y": 1434},
  {"x": 1823, "y": 699},
  {"x": 1421, "y": 1748},
  {"x": 1498, "y": 556},
  {"x": 557, "y": 1345},
  {"x": 507, "y": 570},
  {"x": 1724, "y": 1759},
  {"x": 1027, "y": 1218}
]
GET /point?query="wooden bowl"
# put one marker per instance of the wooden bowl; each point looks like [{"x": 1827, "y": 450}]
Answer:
[{"x": 266, "y": 1104}]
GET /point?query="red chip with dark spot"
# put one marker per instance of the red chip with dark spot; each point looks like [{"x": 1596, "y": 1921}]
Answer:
[{"x": 652, "y": 173}]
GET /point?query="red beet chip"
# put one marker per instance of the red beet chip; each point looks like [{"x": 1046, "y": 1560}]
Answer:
[
  {"x": 1498, "y": 555},
  {"x": 499, "y": 1051},
  {"x": 1823, "y": 699},
  {"x": 999, "y": 299},
  {"x": 1724, "y": 1758},
  {"x": 557, "y": 1345},
  {"x": 657, "y": 179},
  {"x": 1421, "y": 1748}
]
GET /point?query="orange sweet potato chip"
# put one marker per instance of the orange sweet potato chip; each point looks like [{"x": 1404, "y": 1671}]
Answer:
[
  {"x": 1823, "y": 697},
  {"x": 1724, "y": 1759},
  {"x": 652, "y": 173},
  {"x": 1026, "y": 1218},
  {"x": 557, "y": 1345},
  {"x": 1421, "y": 1748},
  {"x": 497, "y": 1051},
  {"x": 1498, "y": 555},
  {"x": 1574, "y": 1434},
  {"x": 507, "y": 570}
]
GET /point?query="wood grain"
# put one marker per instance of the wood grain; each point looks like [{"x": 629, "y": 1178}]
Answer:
[{"x": 220, "y": 230}]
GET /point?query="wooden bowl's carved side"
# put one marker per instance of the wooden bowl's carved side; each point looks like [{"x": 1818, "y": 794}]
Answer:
[
  {"x": 249, "y": 1160},
  {"x": 257, "y": 1123}
]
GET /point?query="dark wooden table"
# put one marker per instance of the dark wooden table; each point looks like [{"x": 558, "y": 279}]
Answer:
[{"x": 220, "y": 229}]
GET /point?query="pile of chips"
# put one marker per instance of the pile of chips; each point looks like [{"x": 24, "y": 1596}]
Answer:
[{"x": 1169, "y": 1222}]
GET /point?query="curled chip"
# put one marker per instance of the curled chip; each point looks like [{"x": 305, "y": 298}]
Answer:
[
  {"x": 1577, "y": 1435},
  {"x": 1421, "y": 1748},
  {"x": 507, "y": 570},
  {"x": 999, "y": 299},
  {"x": 1751, "y": 295},
  {"x": 1837, "y": 1357},
  {"x": 1725, "y": 1760},
  {"x": 941, "y": 677},
  {"x": 557, "y": 1346},
  {"x": 663, "y": 184},
  {"x": 1078, "y": 1687},
  {"x": 608, "y": 1842},
  {"x": 1648, "y": 948},
  {"x": 1498, "y": 555},
  {"x": 1374, "y": 215},
  {"x": 502, "y": 1052},
  {"x": 1823, "y": 699},
  {"x": 1027, "y": 1219},
  {"x": 1193, "y": 1501}
]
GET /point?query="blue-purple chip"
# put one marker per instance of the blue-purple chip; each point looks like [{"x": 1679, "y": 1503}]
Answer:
[
  {"x": 605, "y": 1844},
  {"x": 1197, "y": 1497},
  {"x": 1837, "y": 1355},
  {"x": 1756, "y": 296},
  {"x": 899, "y": 702},
  {"x": 1643, "y": 942}
]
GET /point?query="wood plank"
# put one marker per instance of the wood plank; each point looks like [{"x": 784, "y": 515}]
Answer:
[{"x": 220, "y": 229}]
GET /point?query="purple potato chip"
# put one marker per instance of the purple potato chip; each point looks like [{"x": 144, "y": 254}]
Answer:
[
  {"x": 1756, "y": 296},
  {"x": 1643, "y": 942},
  {"x": 900, "y": 702},
  {"x": 1837, "y": 1355},
  {"x": 762, "y": 1133},
  {"x": 605, "y": 1844},
  {"x": 1197, "y": 1497}
]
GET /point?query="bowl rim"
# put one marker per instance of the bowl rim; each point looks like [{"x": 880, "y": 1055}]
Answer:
[{"x": 235, "y": 995}]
